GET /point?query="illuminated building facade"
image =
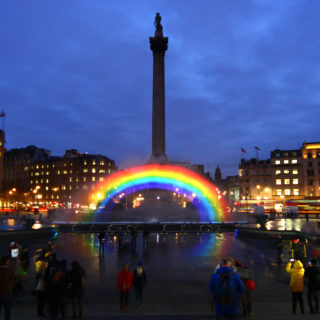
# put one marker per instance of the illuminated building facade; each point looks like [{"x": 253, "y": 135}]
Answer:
[
  {"x": 288, "y": 174},
  {"x": 32, "y": 175}
]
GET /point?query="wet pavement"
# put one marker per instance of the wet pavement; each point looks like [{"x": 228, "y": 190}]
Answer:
[{"x": 179, "y": 268}]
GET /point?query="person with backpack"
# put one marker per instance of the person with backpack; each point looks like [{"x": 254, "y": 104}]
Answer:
[
  {"x": 139, "y": 282},
  {"x": 125, "y": 280},
  {"x": 246, "y": 276},
  {"x": 313, "y": 275},
  {"x": 226, "y": 288},
  {"x": 77, "y": 281},
  {"x": 296, "y": 271}
]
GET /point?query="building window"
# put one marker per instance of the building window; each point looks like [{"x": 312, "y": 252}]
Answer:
[
  {"x": 94, "y": 162},
  {"x": 287, "y": 192},
  {"x": 84, "y": 187},
  {"x": 279, "y": 192},
  {"x": 65, "y": 172},
  {"x": 47, "y": 188},
  {"x": 63, "y": 187},
  {"x": 47, "y": 180},
  {"x": 109, "y": 171},
  {"x": 294, "y": 153},
  {"x": 286, "y": 181},
  {"x": 102, "y": 171},
  {"x": 47, "y": 173},
  {"x": 70, "y": 179},
  {"x": 58, "y": 171},
  {"x": 295, "y": 192},
  {"x": 294, "y": 161},
  {"x": 286, "y": 171},
  {"x": 310, "y": 182},
  {"x": 85, "y": 162},
  {"x": 286, "y": 154},
  {"x": 277, "y": 162},
  {"x": 101, "y": 179},
  {"x": 277, "y": 155},
  {"x": 310, "y": 172},
  {"x": 84, "y": 179},
  {"x": 77, "y": 179},
  {"x": 295, "y": 181},
  {"x": 37, "y": 174},
  {"x": 285, "y": 161},
  {"x": 294, "y": 171},
  {"x": 278, "y": 181},
  {"x": 37, "y": 166},
  {"x": 310, "y": 164},
  {"x": 93, "y": 178},
  {"x": 93, "y": 170},
  {"x": 101, "y": 162},
  {"x": 85, "y": 170},
  {"x": 70, "y": 187}
]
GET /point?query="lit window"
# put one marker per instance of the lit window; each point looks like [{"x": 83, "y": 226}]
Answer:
[
  {"x": 47, "y": 180},
  {"x": 93, "y": 170},
  {"x": 31, "y": 174},
  {"x": 77, "y": 179},
  {"x": 64, "y": 164},
  {"x": 85, "y": 170},
  {"x": 102, "y": 163},
  {"x": 85, "y": 162},
  {"x": 285, "y": 161},
  {"x": 287, "y": 192},
  {"x": 279, "y": 192},
  {"x": 84, "y": 179},
  {"x": 70, "y": 197},
  {"x": 109, "y": 170},
  {"x": 278, "y": 172},
  {"x": 57, "y": 197},
  {"x": 47, "y": 188},
  {"x": 58, "y": 171},
  {"x": 37, "y": 174},
  {"x": 65, "y": 172},
  {"x": 41, "y": 180},
  {"x": 102, "y": 171},
  {"x": 53, "y": 166},
  {"x": 37, "y": 166},
  {"x": 26, "y": 168},
  {"x": 294, "y": 161},
  {"x": 70, "y": 179},
  {"x": 295, "y": 171},
  {"x": 286, "y": 171},
  {"x": 93, "y": 162},
  {"x": 101, "y": 179},
  {"x": 286, "y": 154},
  {"x": 295, "y": 181},
  {"x": 70, "y": 187},
  {"x": 48, "y": 166},
  {"x": 84, "y": 187},
  {"x": 93, "y": 178},
  {"x": 31, "y": 181},
  {"x": 286, "y": 181},
  {"x": 278, "y": 181},
  {"x": 63, "y": 187},
  {"x": 295, "y": 192},
  {"x": 47, "y": 173},
  {"x": 278, "y": 162},
  {"x": 70, "y": 171}
]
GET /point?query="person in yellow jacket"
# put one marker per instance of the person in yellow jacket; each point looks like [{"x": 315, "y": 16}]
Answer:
[{"x": 296, "y": 271}]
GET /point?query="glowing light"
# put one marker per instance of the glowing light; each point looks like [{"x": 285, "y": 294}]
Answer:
[{"x": 36, "y": 225}]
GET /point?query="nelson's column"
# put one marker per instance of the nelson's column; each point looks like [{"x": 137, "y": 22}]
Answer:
[{"x": 158, "y": 45}]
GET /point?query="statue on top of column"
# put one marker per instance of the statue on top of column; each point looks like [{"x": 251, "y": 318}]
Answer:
[{"x": 157, "y": 24}]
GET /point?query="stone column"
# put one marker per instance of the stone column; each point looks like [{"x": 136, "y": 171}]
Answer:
[{"x": 158, "y": 45}]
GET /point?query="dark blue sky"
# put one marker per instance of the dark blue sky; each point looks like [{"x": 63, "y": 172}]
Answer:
[{"x": 78, "y": 74}]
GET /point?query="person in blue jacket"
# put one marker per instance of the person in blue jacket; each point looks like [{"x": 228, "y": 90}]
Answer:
[{"x": 226, "y": 288}]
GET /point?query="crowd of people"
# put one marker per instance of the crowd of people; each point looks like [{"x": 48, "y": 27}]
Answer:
[
  {"x": 231, "y": 285},
  {"x": 53, "y": 282}
]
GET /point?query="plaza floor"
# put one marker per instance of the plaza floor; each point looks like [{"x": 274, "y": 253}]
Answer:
[{"x": 179, "y": 268}]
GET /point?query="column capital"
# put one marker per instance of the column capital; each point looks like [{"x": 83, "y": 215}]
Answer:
[{"x": 158, "y": 44}]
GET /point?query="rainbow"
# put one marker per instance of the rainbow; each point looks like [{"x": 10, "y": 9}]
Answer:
[{"x": 204, "y": 194}]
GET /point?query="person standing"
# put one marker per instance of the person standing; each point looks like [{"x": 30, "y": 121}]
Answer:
[
  {"x": 226, "y": 288},
  {"x": 77, "y": 280},
  {"x": 296, "y": 271},
  {"x": 125, "y": 280},
  {"x": 313, "y": 275},
  {"x": 7, "y": 279},
  {"x": 145, "y": 235},
  {"x": 101, "y": 238},
  {"x": 246, "y": 277},
  {"x": 279, "y": 248},
  {"x": 139, "y": 282}
]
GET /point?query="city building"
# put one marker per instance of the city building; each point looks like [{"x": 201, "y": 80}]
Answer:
[
  {"x": 32, "y": 175},
  {"x": 288, "y": 174}
]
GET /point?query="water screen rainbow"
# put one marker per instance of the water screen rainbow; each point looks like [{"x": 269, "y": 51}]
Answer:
[{"x": 204, "y": 194}]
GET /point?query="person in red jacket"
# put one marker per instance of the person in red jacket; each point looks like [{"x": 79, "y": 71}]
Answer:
[{"x": 125, "y": 280}]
